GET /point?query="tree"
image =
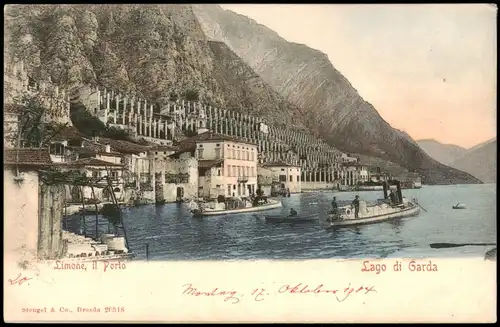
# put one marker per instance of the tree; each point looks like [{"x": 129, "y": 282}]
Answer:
[
  {"x": 34, "y": 129},
  {"x": 173, "y": 96},
  {"x": 191, "y": 95}
]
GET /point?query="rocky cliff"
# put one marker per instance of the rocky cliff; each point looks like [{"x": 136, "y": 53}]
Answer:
[
  {"x": 151, "y": 50},
  {"x": 334, "y": 109}
]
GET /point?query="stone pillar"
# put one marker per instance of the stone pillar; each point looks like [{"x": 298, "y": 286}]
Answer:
[
  {"x": 151, "y": 120},
  {"x": 125, "y": 110},
  {"x": 173, "y": 130},
  {"x": 153, "y": 125},
  {"x": 106, "y": 111},
  {"x": 166, "y": 129},
  {"x": 132, "y": 108}
]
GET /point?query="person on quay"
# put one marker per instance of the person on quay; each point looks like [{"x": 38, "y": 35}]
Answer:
[
  {"x": 355, "y": 204},
  {"x": 293, "y": 213}
]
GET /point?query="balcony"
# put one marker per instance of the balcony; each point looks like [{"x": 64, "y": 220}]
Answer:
[{"x": 242, "y": 179}]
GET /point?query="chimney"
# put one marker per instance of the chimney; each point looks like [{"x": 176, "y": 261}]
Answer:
[{"x": 108, "y": 148}]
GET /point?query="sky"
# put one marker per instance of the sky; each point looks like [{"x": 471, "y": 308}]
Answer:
[{"x": 429, "y": 70}]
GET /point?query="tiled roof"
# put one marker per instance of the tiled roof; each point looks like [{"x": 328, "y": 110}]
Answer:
[
  {"x": 164, "y": 148},
  {"x": 80, "y": 150},
  {"x": 91, "y": 162},
  {"x": 68, "y": 133},
  {"x": 124, "y": 146},
  {"x": 208, "y": 163},
  {"x": 278, "y": 164},
  {"x": 27, "y": 157},
  {"x": 211, "y": 137},
  {"x": 186, "y": 150}
]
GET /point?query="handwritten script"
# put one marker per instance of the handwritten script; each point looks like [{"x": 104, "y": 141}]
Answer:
[
  {"x": 19, "y": 280},
  {"x": 260, "y": 294}
]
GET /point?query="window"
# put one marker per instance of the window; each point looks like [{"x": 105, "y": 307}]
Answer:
[
  {"x": 95, "y": 174},
  {"x": 218, "y": 172},
  {"x": 246, "y": 155},
  {"x": 234, "y": 171},
  {"x": 114, "y": 174},
  {"x": 253, "y": 172},
  {"x": 239, "y": 171},
  {"x": 291, "y": 178},
  {"x": 238, "y": 154},
  {"x": 217, "y": 153},
  {"x": 282, "y": 178},
  {"x": 282, "y": 169},
  {"x": 297, "y": 178},
  {"x": 229, "y": 171},
  {"x": 228, "y": 189},
  {"x": 200, "y": 153},
  {"x": 251, "y": 156}
]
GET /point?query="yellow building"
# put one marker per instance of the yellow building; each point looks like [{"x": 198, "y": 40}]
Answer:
[{"x": 226, "y": 165}]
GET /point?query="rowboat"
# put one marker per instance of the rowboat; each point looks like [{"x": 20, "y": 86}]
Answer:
[
  {"x": 216, "y": 209},
  {"x": 459, "y": 206},
  {"x": 384, "y": 210},
  {"x": 289, "y": 219}
]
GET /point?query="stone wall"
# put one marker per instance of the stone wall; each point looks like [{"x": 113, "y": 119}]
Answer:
[
  {"x": 50, "y": 221},
  {"x": 21, "y": 223}
]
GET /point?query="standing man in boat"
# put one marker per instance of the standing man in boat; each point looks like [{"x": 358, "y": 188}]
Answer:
[
  {"x": 355, "y": 204},
  {"x": 335, "y": 207}
]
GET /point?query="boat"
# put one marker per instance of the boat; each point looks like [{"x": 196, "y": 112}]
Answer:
[
  {"x": 288, "y": 219},
  {"x": 459, "y": 206},
  {"x": 384, "y": 210},
  {"x": 232, "y": 206}
]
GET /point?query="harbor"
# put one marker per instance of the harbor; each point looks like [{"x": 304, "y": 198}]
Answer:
[{"x": 170, "y": 232}]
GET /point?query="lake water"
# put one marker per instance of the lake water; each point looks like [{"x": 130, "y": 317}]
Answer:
[{"x": 172, "y": 234}]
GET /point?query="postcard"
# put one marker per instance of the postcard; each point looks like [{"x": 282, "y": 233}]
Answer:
[{"x": 250, "y": 163}]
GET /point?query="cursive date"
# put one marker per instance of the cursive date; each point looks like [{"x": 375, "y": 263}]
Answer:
[
  {"x": 19, "y": 280},
  {"x": 340, "y": 295}
]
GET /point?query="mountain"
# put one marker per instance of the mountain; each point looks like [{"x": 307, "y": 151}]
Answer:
[
  {"x": 332, "y": 107},
  {"x": 150, "y": 50},
  {"x": 155, "y": 51},
  {"x": 444, "y": 153},
  {"x": 480, "y": 161}
]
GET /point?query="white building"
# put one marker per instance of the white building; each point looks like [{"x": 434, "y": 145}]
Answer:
[
  {"x": 177, "y": 177},
  {"x": 286, "y": 176},
  {"x": 226, "y": 166}
]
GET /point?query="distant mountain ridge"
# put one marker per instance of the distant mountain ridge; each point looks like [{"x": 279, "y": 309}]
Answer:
[
  {"x": 331, "y": 106},
  {"x": 480, "y": 161},
  {"x": 444, "y": 153}
]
